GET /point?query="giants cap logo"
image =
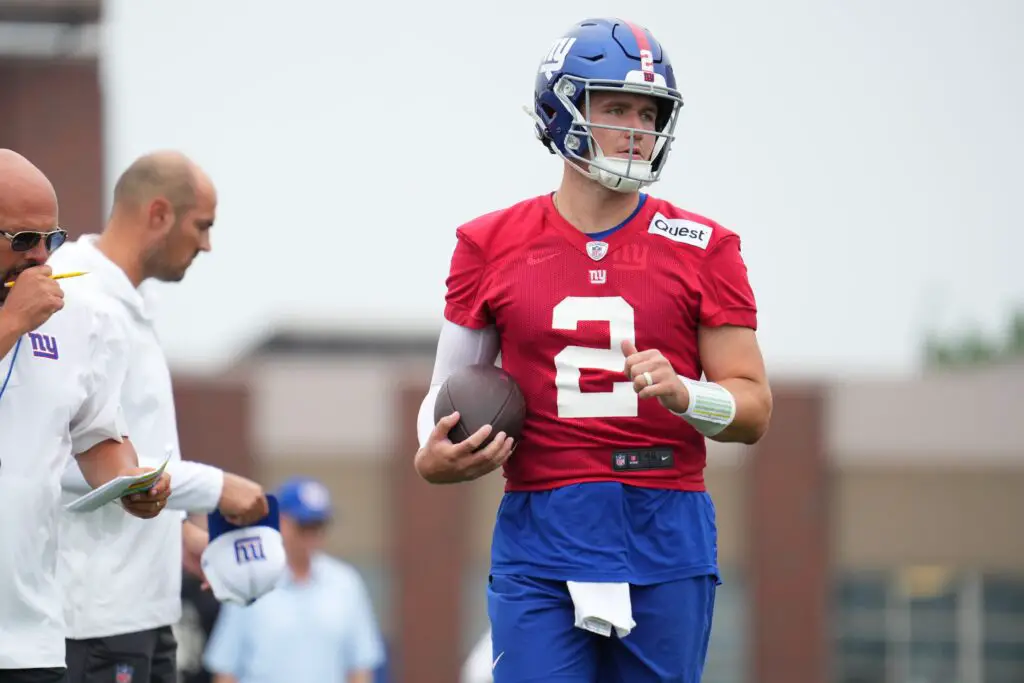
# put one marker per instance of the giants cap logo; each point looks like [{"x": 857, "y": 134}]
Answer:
[{"x": 249, "y": 549}]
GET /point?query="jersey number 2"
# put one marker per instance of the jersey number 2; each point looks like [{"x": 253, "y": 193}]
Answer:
[{"x": 621, "y": 401}]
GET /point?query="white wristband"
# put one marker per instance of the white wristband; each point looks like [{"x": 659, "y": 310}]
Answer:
[{"x": 712, "y": 407}]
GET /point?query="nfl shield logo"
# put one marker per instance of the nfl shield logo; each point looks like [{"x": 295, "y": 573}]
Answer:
[
  {"x": 123, "y": 674},
  {"x": 597, "y": 250},
  {"x": 620, "y": 460}
]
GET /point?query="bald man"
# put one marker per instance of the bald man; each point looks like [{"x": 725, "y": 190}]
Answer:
[
  {"x": 59, "y": 397},
  {"x": 164, "y": 207}
]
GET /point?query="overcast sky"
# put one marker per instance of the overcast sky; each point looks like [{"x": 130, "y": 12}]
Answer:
[{"x": 869, "y": 154}]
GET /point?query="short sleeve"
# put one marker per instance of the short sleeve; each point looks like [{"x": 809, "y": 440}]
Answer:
[
  {"x": 99, "y": 418},
  {"x": 726, "y": 295},
  {"x": 464, "y": 304},
  {"x": 365, "y": 648},
  {"x": 226, "y": 649}
]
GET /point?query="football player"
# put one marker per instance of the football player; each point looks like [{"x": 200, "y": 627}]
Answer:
[{"x": 629, "y": 323}]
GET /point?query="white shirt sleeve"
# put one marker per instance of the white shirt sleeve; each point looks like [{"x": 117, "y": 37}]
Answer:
[
  {"x": 457, "y": 347},
  {"x": 99, "y": 418},
  {"x": 195, "y": 487}
]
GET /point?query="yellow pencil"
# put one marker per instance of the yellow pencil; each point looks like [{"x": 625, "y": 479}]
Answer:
[{"x": 59, "y": 276}]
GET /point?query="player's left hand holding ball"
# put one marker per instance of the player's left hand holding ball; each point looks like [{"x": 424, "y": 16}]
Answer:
[{"x": 653, "y": 376}]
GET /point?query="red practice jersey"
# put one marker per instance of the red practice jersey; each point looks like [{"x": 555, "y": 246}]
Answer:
[{"x": 563, "y": 303}]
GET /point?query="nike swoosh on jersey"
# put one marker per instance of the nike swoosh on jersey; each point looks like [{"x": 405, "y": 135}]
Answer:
[{"x": 535, "y": 258}]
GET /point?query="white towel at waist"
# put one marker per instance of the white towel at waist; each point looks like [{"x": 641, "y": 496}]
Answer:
[{"x": 600, "y": 607}]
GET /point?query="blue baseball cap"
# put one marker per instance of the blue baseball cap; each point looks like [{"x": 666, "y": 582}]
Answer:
[{"x": 305, "y": 500}]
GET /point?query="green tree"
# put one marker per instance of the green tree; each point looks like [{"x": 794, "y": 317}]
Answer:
[{"x": 973, "y": 348}]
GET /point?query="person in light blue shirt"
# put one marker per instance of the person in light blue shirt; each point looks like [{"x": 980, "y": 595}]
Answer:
[{"x": 316, "y": 626}]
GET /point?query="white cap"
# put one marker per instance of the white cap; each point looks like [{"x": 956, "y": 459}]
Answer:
[{"x": 242, "y": 564}]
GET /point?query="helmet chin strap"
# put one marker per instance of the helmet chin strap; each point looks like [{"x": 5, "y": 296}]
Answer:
[
  {"x": 612, "y": 178},
  {"x": 620, "y": 175}
]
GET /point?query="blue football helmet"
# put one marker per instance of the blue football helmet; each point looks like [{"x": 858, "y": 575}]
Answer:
[{"x": 604, "y": 55}]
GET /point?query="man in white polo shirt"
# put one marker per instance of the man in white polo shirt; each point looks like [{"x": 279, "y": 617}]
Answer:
[
  {"x": 164, "y": 207},
  {"x": 59, "y": 396}
]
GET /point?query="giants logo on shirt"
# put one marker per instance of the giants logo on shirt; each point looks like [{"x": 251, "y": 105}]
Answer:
[
  {"x": 681, "y": 230},
  {"x": 249, "y": 549},
  {"x": 44, "y": 346}
]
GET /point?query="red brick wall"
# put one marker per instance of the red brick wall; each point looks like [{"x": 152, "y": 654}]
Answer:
[
  {"x": 51, "y": 112},
  {"x": 214, "y": 423},
  {"x": 429, "y": 552},
  {"x": 789, "y": 508}
]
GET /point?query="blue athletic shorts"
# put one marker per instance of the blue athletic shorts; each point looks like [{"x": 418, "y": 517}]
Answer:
[{"x": 535, "y": 640}]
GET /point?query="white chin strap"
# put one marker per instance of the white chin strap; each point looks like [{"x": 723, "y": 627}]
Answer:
[{"x": 621, "y": 175}]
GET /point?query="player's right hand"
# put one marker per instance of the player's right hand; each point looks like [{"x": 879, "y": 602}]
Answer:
[
  {"x": 33, "y": 299},
  {"x": 242, "y": 501},
  {"x": 440, "y": 461}
]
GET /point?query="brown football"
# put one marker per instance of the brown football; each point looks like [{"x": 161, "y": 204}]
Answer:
[{"x": 483, "y": 394}]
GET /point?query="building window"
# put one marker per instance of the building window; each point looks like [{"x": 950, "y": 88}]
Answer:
[
  {"x": 860, "y": 628},
  {"x": 929, "y": 625},
  {"x": 1003, "y": 625}
]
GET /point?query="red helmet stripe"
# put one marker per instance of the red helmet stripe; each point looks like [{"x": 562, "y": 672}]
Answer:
[{"x": 642, "y": 42}]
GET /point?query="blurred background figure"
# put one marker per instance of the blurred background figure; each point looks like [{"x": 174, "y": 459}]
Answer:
[
  {"x": 199, "y": 610},
  {"x": 317, "y": 625}
]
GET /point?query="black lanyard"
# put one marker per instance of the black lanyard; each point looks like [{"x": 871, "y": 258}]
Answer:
[{"x": 10, "y": 368}]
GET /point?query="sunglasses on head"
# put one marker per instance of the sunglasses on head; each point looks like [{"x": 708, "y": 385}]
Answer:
[{"x": 26, "y": 240}]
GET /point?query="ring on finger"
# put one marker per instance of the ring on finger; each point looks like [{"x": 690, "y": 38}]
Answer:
[{"x": 648, "y": 378}]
